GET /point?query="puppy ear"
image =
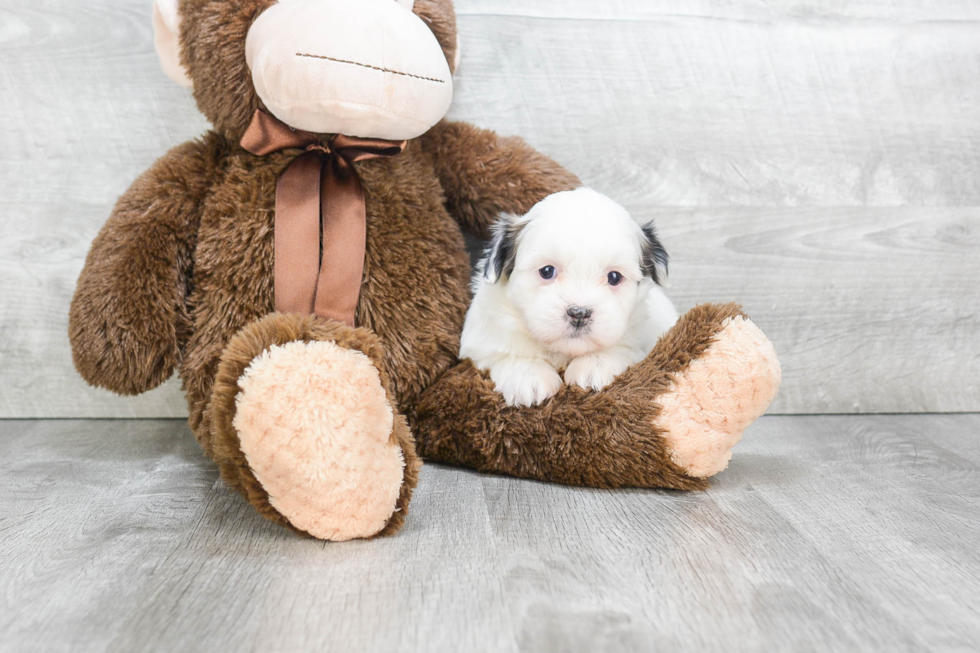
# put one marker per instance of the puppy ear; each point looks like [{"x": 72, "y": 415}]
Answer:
[
  {"x": 166, "y": 39},
  {"x": 653, "y": 256},
  {"x": 501, "y": 254}
]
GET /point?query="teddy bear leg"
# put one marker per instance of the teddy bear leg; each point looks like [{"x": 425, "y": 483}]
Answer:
[
  {"x": 669, "y": 421},
  {"x": 712, "y": 400},
  {"x": 304, "y": 428}
]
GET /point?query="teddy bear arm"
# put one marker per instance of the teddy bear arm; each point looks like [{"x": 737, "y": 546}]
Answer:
[
  {"x": 128, "y": 317},
  {"x": 484, "y": 175}
]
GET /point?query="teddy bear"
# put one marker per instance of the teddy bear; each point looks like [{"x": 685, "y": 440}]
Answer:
[{"x": 303, "y": 267}]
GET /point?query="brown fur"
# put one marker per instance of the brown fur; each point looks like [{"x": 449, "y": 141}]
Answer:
[
  {"x": 129, "y": 319},
  {"x": 279, "y": 329},
  {"x": 484, "y": 175},
  {"x": 182, "y": 275},
  {"x": 597, "y": 439},
  {"x": 440, "y": 16},
  {"x": 212, "y": 38}
]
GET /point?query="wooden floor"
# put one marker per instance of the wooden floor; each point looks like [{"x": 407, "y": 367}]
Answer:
[{"x": 826, "y": 533}]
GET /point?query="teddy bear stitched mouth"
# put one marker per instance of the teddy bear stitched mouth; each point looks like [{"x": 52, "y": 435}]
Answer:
[{"x": 364, "y": 65}]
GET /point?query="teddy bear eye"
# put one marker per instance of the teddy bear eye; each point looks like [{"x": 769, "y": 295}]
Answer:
[
  {"x": 615, "y": 278},
  {"x": 547, "y": 272}
]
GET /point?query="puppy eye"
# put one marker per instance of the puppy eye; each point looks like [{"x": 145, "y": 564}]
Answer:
[
  {"x": 615, "y": 278},
  {"x": 547, "y": 272}
]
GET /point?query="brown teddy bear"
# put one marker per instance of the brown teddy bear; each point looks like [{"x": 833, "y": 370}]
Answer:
[{"x": 303, "y": 267}]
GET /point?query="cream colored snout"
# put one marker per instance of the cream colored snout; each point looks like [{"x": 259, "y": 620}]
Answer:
[{"x": 369, "y": 68}]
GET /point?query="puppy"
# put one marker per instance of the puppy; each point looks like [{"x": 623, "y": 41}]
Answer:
[{"x": 573, "y": 285}]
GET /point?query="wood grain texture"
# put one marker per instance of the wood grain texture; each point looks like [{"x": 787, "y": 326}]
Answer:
[
  {"x": 817, "y": 161},
  {"x": 904, "y": 10},
  {"x": 870, "y": 309},
  {"x": 826, "y": 534},
  {"x": 85, "y": 110}
]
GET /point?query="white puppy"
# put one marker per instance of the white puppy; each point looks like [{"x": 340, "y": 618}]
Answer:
[{"x": 571, "y": 285}]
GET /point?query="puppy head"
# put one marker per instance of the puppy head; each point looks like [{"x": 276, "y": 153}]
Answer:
[{"x": 575, "y": 267}]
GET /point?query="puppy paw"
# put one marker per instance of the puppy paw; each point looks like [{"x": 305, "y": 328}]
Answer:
[
  {"x": 525, "y": 382},
  {"x": 595, "y": 371}
]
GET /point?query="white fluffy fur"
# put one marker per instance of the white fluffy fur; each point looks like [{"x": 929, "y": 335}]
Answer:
[{"x": 518, "y": 328}]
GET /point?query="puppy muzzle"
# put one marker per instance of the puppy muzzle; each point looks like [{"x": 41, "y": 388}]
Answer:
[{"x": 579, "y": 316}]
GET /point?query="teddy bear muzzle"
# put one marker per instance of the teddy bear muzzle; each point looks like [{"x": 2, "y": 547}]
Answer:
[{"x": 370, "y": 68}]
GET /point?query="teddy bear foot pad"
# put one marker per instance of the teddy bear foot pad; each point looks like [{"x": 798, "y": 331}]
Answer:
[
  {"x": 717, "y": 396},
  {"x": 314, "y": 422}
]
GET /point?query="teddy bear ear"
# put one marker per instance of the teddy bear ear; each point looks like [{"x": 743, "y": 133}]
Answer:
[{"x": 166, "y": 38}]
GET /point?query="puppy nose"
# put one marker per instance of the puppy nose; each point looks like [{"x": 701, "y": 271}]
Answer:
[{"x": 579, "y": 314}]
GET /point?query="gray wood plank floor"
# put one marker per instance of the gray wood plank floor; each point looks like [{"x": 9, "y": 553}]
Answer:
[{"x": 827, "y": 533}]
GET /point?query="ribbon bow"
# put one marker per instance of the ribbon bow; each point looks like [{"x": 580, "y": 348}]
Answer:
[{"x": 319, "y": 199}]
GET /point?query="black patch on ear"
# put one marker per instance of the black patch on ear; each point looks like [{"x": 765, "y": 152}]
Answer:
[
  {"x": 501, "y": 253},
  {"x": 653, "y": 256}
]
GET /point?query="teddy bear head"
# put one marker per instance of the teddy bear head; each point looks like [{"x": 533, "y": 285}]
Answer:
[{"x": 366, "y": 68}]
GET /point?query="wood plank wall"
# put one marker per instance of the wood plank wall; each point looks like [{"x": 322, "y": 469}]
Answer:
[{"x": 817, "y": 161}]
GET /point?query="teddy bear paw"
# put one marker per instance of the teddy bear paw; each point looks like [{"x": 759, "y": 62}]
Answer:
[
  {"x": 717, "y": 396},
  {"x": 314, "y": 424}
]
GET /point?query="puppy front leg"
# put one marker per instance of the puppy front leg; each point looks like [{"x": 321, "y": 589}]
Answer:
[
  {"x": 524, "y": 381},
  {"x": 596, "y": 371}
]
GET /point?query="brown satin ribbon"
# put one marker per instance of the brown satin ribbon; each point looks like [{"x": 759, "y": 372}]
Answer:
[{"x": 319, "y": 198}]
